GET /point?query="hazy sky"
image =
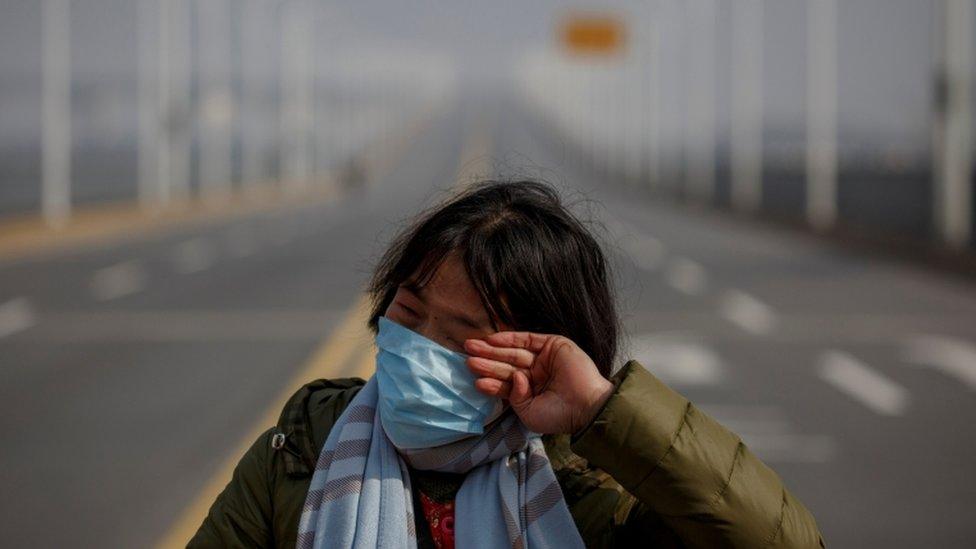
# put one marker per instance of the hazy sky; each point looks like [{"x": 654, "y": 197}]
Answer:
[
  {"x": 884, "y": 51},
  {"x": 484, "y": 37}
]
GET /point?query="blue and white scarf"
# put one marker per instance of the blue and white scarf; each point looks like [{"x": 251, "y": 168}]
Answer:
[{"x": 360, "y": 493}]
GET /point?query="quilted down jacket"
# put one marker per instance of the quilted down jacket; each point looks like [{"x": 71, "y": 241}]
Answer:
[{"x": 651, "y": 470}]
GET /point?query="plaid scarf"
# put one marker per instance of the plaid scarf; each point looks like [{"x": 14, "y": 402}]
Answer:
[{"x": 360, "y": 493}]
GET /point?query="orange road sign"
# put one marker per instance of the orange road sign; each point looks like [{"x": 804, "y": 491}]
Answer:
[{"x": 592, "y": 34}]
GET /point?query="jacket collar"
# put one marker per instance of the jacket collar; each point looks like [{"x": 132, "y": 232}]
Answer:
[
  {"x": 300, "y": 451},
  {"x": 296, "y": 445}
]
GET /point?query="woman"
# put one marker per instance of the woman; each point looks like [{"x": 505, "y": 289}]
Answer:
[{"x": 493, "y": 419}]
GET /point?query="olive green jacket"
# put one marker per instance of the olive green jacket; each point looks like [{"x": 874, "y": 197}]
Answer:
[{"x": 651, "y": 470}]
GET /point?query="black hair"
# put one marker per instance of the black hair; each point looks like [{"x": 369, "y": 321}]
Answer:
[{"x": 534, "y": 265}]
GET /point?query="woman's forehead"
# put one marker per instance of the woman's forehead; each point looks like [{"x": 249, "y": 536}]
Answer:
[{"x": 449, "y": 281}]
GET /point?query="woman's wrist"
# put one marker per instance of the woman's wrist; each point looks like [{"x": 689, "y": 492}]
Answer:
[{"x": 598, "y": 397}]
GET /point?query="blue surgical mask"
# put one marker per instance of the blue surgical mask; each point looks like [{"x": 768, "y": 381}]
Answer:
[{"x": 426, "y": 391}]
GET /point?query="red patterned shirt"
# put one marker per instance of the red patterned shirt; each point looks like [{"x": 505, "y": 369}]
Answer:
[{"x": 440, "y": 518}]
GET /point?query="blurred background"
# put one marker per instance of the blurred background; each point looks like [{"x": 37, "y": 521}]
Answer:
[{"x": 193, "y": 192}]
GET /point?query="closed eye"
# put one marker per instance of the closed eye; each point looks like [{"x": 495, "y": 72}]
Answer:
[{"x": 408, "y": 309}]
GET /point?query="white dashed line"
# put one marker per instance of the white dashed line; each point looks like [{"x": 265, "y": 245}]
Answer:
[
  {"x": 770, "y": 435},
  {"x": 194, "y": 255},
  {"x": 791, "y": 447},
  {"x": 953, "y": 357},
  {"x": 677, "y": 359},
  {"x": 16, "y": 315},
  {"x": 862, "y": 383},
  {"x": 647, "y": 251},
  {"x": 686, "y": 276},
  {"x": 747, "y": 312},
  {"x": 119, "y": 280}
]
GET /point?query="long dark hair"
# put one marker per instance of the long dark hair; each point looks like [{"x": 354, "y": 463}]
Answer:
[{"x": 534, "y": 264}]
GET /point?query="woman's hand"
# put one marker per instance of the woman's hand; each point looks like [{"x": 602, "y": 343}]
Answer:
[{"x": 552, "y": 385}]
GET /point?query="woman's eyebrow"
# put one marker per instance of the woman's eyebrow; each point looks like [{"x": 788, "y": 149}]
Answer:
[{"x": 457, "y": 317}]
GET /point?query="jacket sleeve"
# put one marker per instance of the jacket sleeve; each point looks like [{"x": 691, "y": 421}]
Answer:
[
  {"x": 241, "y": 514},
  {"x": 689, "y": 470}
]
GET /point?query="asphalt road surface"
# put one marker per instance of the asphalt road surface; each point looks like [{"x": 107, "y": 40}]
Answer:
[{"x": 129, "y": 372}]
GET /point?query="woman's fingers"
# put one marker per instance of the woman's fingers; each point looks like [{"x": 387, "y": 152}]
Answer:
[
  {"x": 486, "y": 367},
  {"x": 529, "y": 341},
  {"x": 520, "y": 393},
  {"x": 521, "y": 358},
  {"x": 493, "y": 387}
]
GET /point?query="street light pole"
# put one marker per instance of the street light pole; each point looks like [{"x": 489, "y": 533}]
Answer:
[
  {"x": 252, "y": 107},
  {"x": 954, "y": 141},
  {"x": 295, "y": 93},
  {"x": 746, "y": 143},
  {"x": 218, "y": 104},
  {"x": 164, "y": 104},
  {"x": 180, "y": 119},
  {"x": 148, "y": 119},
  {"x": 821, "y": 152},
  {"x": 700, "y": 156},
  {"x": 56, "y": 113}
]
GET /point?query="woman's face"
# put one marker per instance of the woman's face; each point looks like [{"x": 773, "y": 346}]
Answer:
[{"x": 446, "y": 310}]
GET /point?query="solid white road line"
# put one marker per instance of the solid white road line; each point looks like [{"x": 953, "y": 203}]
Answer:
[
  {"x": 677, "y": 359},
  {"x": 194, "y": 255},
  {"x": 121, "y": 279},
  {"x": 686, "y": 276},
  {"x": 747, "y": 312},
  {"x": 953, "y": 357},
  {"x": 862, "y": 383},
  {"x": 16, "y": 315}
]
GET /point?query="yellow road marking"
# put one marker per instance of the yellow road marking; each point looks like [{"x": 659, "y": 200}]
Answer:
[
  {"x": 474, "y": 163},
  {"x": 332, "y": 358},
  {"x": 28, "y": 235},
  {"x": 366, "y": 365}
]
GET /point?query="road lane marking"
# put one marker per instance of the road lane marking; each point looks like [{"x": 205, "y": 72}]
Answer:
[
  {"x": 329, "y": 360},
  {"x": 770, "y": 435},
  {"x": 747, "y": 312},
  {"x": 862, "y": 383},
  {"x": 744, "y": 412},
  {"x": 194, "y": 255},
  {"x": 647, "y": 251},
  {"x": 474, "y": 162},
  {"x": 121, "y": 279},
  {"x": 339, "y": 349},
  {"x": 954, "y": 357},
  {"x": 677, "y": 359},
  {"x": 98, "y": 227},
  {"x": 366, "y": 365},
  {"x": 791, "y": 447},
  {"x": 686, "y": 276},
  {"x": 112, "y": 326},
  {"x": 16, "y": 315}
]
